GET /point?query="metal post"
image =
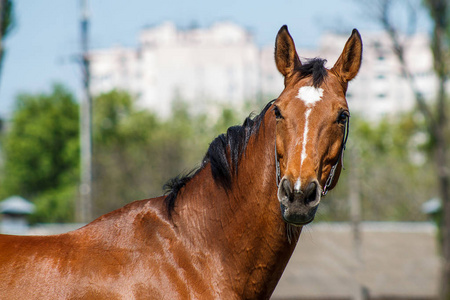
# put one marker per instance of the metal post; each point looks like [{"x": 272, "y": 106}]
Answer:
[
  {"x": 355, "y": 217},
  {"x": 85, "y": 204}
]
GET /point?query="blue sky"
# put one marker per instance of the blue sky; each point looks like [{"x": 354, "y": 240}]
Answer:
[{"x": 44, "y": 45}]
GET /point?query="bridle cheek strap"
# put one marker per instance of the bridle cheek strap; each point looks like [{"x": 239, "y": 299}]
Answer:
[
  {"x": 329, "y": 181},
  {"x": 331, "y": 176},
  {"x": 277, "y": 166}
]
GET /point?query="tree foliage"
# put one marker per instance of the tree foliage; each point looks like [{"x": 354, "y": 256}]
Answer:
[
  {"x": 7, "y": 17},
  {"x": 7, "y": 22},
  {"x": 41, "y": 152}
]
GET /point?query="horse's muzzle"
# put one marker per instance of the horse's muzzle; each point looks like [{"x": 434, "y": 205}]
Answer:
[{"x": 298, "y": 207}]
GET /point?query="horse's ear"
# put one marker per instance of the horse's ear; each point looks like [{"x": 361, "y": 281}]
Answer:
[
  {"x": 286, "y": 57},
  {"x": 347, "y": 65}
]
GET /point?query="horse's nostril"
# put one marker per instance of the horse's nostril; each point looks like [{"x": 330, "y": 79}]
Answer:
[
  {"x": 311, "y": 192},
  {"x": 287, "y": 186},
  {"x": 285, "y": 190}
]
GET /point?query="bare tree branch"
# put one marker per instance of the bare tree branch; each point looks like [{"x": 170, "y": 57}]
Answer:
[{"x": 398, "y": 47}]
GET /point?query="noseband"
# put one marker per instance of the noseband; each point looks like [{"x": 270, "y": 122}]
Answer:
[{"x": 333, "y": 169}]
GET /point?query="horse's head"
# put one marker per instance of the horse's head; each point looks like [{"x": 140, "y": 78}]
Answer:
[{"x": 312, "y": 122}]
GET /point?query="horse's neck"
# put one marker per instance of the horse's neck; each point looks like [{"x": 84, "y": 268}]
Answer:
[{"x": 242, "y": 225}]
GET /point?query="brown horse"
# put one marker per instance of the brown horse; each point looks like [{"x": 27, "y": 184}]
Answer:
[{"x": 225, "y": 231}]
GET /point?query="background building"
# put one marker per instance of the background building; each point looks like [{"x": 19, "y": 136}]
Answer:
[
  {"x": 223, "y": 65},
  {"x": 220, "y": 64},
  {"x": 380, "y": 89}
]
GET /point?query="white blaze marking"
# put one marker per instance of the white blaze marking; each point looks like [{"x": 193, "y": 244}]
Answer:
[
  {"x": 298, "y": 185},
  {"x": 305, "y": 136},
  {"x": 309, "y": 95}
]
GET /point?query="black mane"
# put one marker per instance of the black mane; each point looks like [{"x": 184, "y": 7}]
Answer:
[
  {"x": 224, "y": 148},
  {"x": 314, "y": 67}
]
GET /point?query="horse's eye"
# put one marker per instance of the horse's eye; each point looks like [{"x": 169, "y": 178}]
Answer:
[
  {"x": 278, "y": 114},
  {"x": 343, "y": 117}
]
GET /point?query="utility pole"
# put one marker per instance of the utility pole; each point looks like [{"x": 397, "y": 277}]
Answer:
[
  {"x": 355, "y": 219},
  {"x": 85, "y": 201}
]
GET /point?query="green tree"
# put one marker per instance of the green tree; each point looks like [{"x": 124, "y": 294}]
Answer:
[
  {"x": 124, "y": 152},
  {"x": 41, "y": 151},
  {"x": 6, "y": 25}
]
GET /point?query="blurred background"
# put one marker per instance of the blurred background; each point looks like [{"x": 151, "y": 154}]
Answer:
[{"x": 101, "y": 102}]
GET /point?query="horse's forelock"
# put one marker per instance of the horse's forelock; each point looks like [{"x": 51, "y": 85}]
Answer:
[{"x": 314, "y": 67}]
